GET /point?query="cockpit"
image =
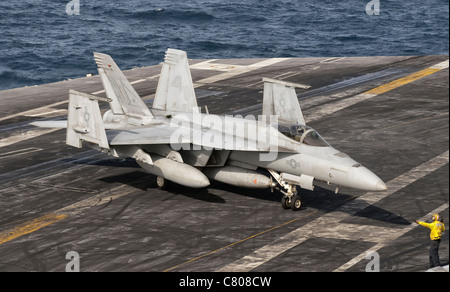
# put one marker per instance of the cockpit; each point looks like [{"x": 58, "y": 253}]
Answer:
[{"x": 303, "y": 134}]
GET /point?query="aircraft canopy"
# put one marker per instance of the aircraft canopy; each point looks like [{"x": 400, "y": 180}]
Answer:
[{"x": 303, "y": 134}]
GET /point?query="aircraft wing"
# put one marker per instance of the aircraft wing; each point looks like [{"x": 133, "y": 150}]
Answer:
[
  {"x": 150, "y": 135},
  {"x": 281, "y": 100},
  {"x": 176, "y": 135}
]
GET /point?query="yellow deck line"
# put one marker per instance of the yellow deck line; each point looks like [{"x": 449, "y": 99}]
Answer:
[
  {"x": 402, "y": 81},
  {"x": 61, "y": 214},
  {"x": 30, "y": 226}
]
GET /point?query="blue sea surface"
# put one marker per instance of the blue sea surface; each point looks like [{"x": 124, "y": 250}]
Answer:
[{"x": 41, "y": 43}]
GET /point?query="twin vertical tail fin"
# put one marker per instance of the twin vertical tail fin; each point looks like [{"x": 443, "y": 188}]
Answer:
[
  {"x": 175, "y": 93},
  {"x": 85, "y": 122},
  {"x": 175, "y": 90},
  {"x": 124, "y": 98}
]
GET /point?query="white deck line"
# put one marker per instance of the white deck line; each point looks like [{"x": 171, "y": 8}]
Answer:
[{"x": 317, "y": 227}]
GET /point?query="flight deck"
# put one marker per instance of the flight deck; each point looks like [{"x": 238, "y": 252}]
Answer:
[{"x": 389, "y": 113}]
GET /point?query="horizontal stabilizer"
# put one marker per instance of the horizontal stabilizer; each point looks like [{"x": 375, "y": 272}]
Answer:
[
  {"x": 175, "y": 90},
  {"x": 50, "y": 124},
  {"x": 280, "y": 99}
]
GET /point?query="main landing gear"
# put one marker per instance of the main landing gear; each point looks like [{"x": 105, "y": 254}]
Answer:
[{"x": 162, "y": 183}]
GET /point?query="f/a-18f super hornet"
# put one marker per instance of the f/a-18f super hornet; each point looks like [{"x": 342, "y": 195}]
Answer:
[{"x": 177, "y": 143}]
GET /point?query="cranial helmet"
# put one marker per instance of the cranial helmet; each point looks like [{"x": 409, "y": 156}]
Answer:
[{"x": 436, "y": 217}]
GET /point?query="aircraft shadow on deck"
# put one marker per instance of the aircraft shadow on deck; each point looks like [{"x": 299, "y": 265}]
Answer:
[
  {"x": 147, "y": 182},
  {"x": 321, "y": 199}
]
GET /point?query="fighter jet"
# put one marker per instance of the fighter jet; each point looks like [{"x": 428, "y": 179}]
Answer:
[{"x": 177, "y": 143}]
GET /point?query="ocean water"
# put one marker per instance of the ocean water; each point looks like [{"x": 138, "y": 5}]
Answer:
[{"x": 41, "y": 43}]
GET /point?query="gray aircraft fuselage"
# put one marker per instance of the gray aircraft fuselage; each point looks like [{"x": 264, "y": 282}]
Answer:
[
  {"x": 176, "y": 142},
  {"x": 301, "y": 150}
]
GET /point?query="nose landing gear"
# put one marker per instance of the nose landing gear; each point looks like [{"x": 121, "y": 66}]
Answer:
[
  {"x": 291, "y": 202},
  {"x": 291, "y": 199}
]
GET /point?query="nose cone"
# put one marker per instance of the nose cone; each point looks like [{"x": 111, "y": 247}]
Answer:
[
  {"x": 364, "y": 179},
  {"x": 381, "y": 186}
]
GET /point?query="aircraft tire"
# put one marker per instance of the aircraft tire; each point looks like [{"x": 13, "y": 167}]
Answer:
[
  {"x": 162, "y": 183},
  {"x": 296, "y": 203},
  {"x": 285, "y": 202}
]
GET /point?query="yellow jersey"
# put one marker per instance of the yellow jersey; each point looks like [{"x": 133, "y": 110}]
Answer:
[{"x": 437, "y": 228}]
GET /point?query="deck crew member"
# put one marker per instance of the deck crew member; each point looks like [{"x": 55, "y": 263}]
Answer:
[{"x": 437, "y": 228}]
